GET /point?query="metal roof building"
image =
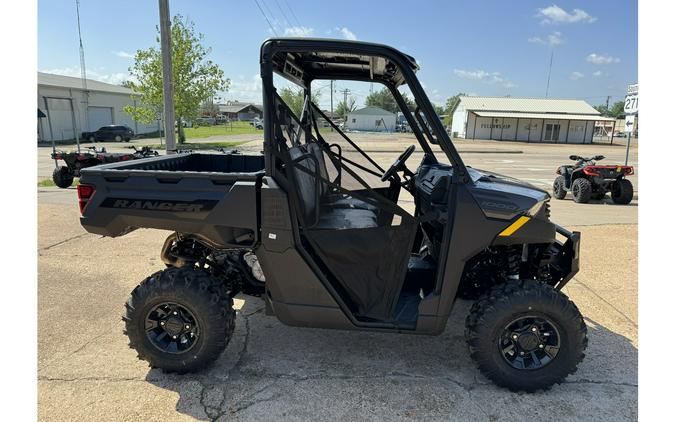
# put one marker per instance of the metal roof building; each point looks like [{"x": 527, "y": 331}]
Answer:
[
  {"x": 525, "y": 119},
  {"x": 240, "y": 111},
  {"x": 69, "y": 110},
  {"x": 371, "y": 119}
]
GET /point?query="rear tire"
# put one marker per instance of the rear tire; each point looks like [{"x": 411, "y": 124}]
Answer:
[
  {"x": 192, "y": 306},
  {"x": 622, "y": 192},
  {"x": 62, "y": 177},
  {"x": 559, "y": 191},
  {"x": 92, "y": 139},
  {"x": 581, "y": 190},
  {"x": 118, "y": 138},
  {"x": 490, "y": 329}
]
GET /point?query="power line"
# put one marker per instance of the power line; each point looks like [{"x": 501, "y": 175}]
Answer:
[
  {"x": 265, "y": 16},
  {"x": 282, "y": 12},
  {"x": 269, "y": 11},
  {"x": 550, "y": 66},
  {"x": 292, "y": 13}
]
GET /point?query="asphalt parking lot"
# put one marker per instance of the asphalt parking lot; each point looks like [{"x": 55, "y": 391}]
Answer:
[{"x": 271, "y": 372}]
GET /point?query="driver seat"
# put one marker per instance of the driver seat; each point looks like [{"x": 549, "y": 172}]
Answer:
[
  {"x": 330, "y": 199},
  {"x": 330, "y": 217}
]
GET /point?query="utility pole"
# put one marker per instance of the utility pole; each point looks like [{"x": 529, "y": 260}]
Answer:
[
  {"x": 607, "y": 103},
  {"x": 345, "y": 92},
  {"x": 331, "y": 103},
  {"x": 83, "y": 75},
  {"x": 169, "y": 119}
]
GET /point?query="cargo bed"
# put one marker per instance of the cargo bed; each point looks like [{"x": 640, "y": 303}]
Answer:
[{"x": 206, "y": 195}]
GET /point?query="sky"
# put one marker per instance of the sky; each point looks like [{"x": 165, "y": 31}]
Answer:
[{"x": 491, "y": 48}]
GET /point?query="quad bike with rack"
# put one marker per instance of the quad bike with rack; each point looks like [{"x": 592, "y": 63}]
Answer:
[
  {"x": 64, "y": 175},
  {"x": 587, "y": 180}
]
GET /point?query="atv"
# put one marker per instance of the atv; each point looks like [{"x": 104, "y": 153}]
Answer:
[
  {"x": 143, "y": 152},
  {"x": 76, "y": 161},
  {"x": 587, "y": 181},
  {"x": 316, "y": 230}
]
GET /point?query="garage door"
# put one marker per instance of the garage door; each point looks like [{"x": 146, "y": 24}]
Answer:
[
  {"x": 100, "y": 116},
  {"x": 60, "y": 115}
]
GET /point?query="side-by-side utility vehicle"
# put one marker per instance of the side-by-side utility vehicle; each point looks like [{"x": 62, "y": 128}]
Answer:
[{"x": 318, "y": 229}]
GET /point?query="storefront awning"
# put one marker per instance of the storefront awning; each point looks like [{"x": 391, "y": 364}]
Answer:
[{"x": 547, "y": 116}]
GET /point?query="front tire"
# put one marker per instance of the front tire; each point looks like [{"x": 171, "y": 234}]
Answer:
[
  {"x": 559, "y": 191},
  {"x": 179, "y": 319},
  {"x": 622, "y": 192},
  {"x": 525, "y": 336},
  {"x": 581, "y": 190},
  {"x": 62, "y": 177},
  {"x": 118, "y": 138}
]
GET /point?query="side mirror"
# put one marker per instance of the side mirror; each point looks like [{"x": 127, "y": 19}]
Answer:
[
  {"x": 574, "y": 157},
  {"x": 598, "y": 157}
]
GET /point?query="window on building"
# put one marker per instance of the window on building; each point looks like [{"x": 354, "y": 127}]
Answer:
[
  {"x": 353, "y": 120},
  {"x": 552, "y": 132}
]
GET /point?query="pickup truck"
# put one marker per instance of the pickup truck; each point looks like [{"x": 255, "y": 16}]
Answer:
[{"x": 316, "y": 229}]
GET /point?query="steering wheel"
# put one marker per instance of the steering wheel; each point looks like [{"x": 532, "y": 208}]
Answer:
[{"x": 400, "y": 162}]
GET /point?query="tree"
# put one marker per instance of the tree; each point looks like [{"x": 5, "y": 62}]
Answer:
[
  {"x": 615, "y": 110},
  {"x": 295, "y": 99},
  {"x": 602, "y": 109},
  {"x": 343, "y": 109},
  {"x": 384, "y": 99},
  {"x": 195, "y": 78},
  {"x": 450, "y": 104}
]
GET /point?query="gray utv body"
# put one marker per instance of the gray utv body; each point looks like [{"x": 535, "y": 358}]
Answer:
[{"x": 333, "y": 256}]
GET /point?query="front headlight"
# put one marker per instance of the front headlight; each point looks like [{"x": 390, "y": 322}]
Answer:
[{"x": 541, "y": 206}]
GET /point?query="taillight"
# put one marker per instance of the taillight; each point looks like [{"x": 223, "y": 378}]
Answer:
[
  {"x": 627, "y": 170},
  {"x": 557, "y": 171},
  {"x": 84, "y": 194},
  {"x": 588, "y": 171}
]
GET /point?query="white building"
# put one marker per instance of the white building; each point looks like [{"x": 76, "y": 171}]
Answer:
[
  {"x": 69, "y": 110},
  {"x": 371, "y": 119},
  {"x": 525, "y": 119}
]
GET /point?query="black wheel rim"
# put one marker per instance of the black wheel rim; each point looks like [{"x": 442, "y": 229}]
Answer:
[
  {"x": 575, "y": 189},
  {"x": 529, "y": 342},
  {"x": 171, "y": 328}
]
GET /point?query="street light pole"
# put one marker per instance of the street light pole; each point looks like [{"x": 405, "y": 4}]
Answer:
[{"x": 165, "y": 33}]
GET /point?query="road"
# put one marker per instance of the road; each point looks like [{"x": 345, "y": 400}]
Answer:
[
  {"x": 271, "y": 371},
  {"x": 533, "y": 163}
]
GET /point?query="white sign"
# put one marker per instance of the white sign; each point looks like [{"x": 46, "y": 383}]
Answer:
[
  {"x": 630, "y": 123},
  {"x": 630, "y": 104},
  {"x": 632, "y": 89}
]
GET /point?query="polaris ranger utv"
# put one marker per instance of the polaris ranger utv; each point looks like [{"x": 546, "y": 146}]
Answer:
[{"x": 317, "y": 230}]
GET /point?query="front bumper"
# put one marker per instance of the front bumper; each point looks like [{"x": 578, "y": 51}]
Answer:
[{"x": 564, "y": 262}]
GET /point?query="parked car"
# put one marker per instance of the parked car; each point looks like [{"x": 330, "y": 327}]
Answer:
[
  {"x": 257, "y": 123},
  {"x": 116, "y": 133}
]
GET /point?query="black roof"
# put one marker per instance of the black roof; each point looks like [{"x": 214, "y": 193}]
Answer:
[{"x": 304, "y": 59}]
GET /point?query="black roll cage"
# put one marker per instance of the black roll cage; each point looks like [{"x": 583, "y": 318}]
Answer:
[{"x": 304, "y": 77}]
